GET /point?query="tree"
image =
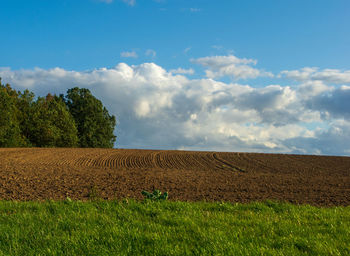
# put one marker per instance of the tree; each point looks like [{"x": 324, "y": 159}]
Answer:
[
  {"x": 10, "y": 132},
  {"x": 50, "y": 124},
  {"x": 79, "y": 119},
  {"x": 95, "y": 125},
  {"x": 25, "y": 106}
]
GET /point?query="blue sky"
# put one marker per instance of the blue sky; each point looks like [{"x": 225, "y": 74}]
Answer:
[
  {"x": 85, "y": 34},
  {"x": 190, "y": 64}
]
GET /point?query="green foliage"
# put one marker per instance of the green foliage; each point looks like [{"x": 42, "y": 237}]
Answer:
[
  {"x": 77, "y": 120},
  {"x": 51, "y": 124},
  {"x": 155, "y": 196},
  {"x": 171, "y": 228},
  {"x": 25, "y": 102},
  {"x": 95, "y": 125},
  {"x": 10, "y": 132}
]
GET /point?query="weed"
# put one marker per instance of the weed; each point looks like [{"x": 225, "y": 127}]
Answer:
[
  {"x": 157, "y": 195},
  {"x": 94, "y": 193}
]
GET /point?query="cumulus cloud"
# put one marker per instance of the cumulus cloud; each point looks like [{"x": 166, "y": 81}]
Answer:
[
  {"x": 332, "y": 141},
  {"x": 232, "y": 66},
  {"x": 131, "y": 54},
  {"x": 333, "y": 104},
  {"x": 157, "y": 108},
  {"x": 329, "y": 76}
]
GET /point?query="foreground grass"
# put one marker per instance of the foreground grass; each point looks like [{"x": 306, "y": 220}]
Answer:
[{"x": 172, "y": 228}]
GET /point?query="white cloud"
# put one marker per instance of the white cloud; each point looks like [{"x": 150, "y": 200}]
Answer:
[
  {"x": 333, "y": 104},
  {"x": 129, "y": 2},
  {"x": 151, "y": 53},
  {"x": 332, "y": 141},
  {"x": 329, "y": 76},
  {"x": 220, "y": 66},
  {"x": 217, "y": 62},
  {"x": 189, "y": 71},
  {"x": 312, "y": 88},
  {"x": 156, "y": 108},
  {"x": 131, "y": 54}
]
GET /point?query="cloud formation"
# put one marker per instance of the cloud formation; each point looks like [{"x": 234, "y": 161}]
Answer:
[
  {"x": 156, "y": 108},
  {"x": 231, "y": 66},
  {"x": 329, "y": 76},
  {"x": 189, "y": 71},
  {"x": 131, "y": 54}
]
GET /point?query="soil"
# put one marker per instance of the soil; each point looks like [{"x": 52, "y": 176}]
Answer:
[{"x": 43, "y": 173}]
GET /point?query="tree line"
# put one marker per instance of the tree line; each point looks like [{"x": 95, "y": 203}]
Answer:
[{"x": 77, "y": 119}]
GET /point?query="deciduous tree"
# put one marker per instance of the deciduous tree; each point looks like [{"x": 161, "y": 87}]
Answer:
[
  {"x": 95, "y": 125},
  {"x": 10, "y": 132},
  {"x": 51, "y": 124}
]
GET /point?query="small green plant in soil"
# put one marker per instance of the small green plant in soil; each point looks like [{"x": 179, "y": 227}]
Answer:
[
  {"x": 157, "y": 195},
  {"x": 94, "y": 193}
]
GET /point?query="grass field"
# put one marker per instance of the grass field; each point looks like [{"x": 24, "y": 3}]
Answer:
[{"x": 131, "y": 227}]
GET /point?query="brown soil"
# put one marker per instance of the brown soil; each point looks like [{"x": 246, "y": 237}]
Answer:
[{"x": 40, "y": 174}]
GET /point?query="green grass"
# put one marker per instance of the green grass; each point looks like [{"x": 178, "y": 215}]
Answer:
[{"x": 171, "y": 228}]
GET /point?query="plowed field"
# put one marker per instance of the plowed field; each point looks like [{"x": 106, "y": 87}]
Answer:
[{"x": 40, "y": 174}]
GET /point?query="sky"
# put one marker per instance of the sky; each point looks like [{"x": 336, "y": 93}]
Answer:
[{"x": 219, "y": 75}]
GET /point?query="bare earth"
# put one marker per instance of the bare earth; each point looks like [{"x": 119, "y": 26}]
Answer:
[{"x": 41, "y": 174}]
